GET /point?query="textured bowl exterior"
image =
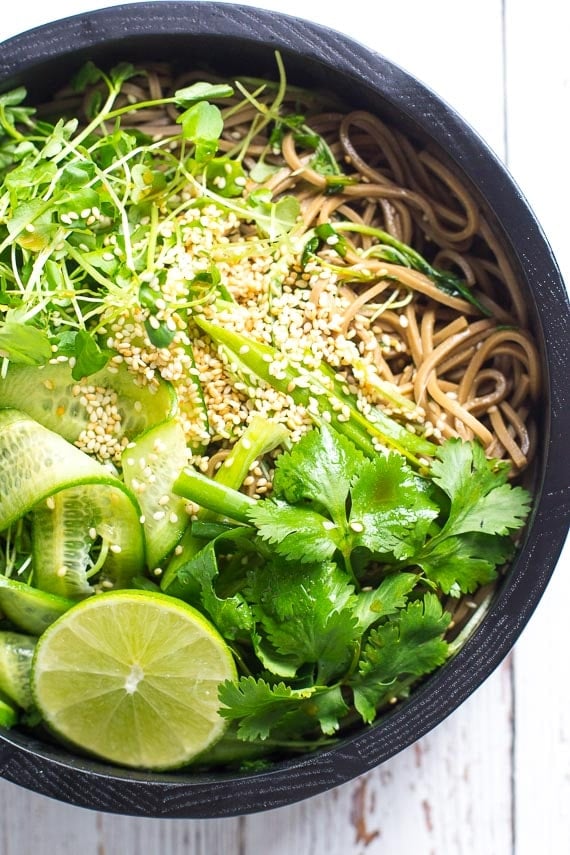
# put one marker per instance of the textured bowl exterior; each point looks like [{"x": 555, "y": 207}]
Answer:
[{"x": 244, "y": 39}]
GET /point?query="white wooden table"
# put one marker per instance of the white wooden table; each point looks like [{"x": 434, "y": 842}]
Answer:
[{"x": 493, "y": 778}]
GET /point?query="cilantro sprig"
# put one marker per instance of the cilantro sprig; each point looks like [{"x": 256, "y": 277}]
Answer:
[{"x": 348, "y": 566}]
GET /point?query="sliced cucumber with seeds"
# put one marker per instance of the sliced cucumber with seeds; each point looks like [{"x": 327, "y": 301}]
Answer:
[
  {"x": 67, "y": 528},
  {"x": 50, "y": 395},
  {"x": 74, "y": 500},
  {"x": 30, "y": 609},
  {"x": 16, "y": 652},
  {"x": 151, "y": 465},
  {"x": 62, "y": 543}
]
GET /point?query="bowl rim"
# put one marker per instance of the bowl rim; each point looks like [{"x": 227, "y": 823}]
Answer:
[{"x": 49, "y": 770}]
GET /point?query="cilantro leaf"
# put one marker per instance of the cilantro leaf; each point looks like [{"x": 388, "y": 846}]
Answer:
[
  {"x": 304, "y": 614},
  {"x": 261, "y": 708},
  {"x": 483, "y": 509},
  {"x": 481, "y": 500},
  {"x": 297, "y": 533},
  {"x": 195, "y": 581},
  {"x": 321, "y": 468},
  {"x": 408, "y": 645},
  {"x": 464, "y": 562},
  {"x": 391, "y": 509},
  {"x": 385, "y": 600}
]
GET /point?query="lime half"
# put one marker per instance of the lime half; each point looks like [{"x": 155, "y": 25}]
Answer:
[{"x": 132, "y": 677}]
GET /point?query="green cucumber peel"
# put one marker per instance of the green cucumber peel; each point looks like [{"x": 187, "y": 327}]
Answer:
[
  {"x": 28, "y": 608},
  {"x": 16, "y": 653}
]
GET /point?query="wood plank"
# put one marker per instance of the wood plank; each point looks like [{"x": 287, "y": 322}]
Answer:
[
  {"x": 538, "y": 99},
  {"x": 35, "y": 824}
]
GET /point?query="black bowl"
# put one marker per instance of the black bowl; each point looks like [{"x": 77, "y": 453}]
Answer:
[{"x": 243, "y": 40}]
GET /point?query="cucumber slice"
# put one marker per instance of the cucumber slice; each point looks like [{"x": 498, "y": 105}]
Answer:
[
  {"x": 65, "y": 531},
  {"x": 30, "y": 609},
  {"x": 70, "y": 494},
  {"x": 8, "y": 713},
  {"x": 50, "y": 396},
  {"x": 151, "y": 465},
  {"x": 37, "y": 462},
  {"x": 16, "y": 652}
]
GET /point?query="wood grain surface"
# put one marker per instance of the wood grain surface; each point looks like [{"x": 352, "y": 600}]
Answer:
[{"x": 494, "y": 777}]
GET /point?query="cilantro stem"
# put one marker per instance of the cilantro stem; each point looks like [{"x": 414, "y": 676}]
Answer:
[
  {"x": 213, "y": 496},
  {"x": 467, "y": 631}
]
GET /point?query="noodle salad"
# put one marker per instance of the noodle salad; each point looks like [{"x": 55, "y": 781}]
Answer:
[{"x": 264, "y": 355}]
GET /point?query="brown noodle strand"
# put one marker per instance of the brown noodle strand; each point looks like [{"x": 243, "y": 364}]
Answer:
[
  {"x": 432, "y": 359},
  {"x": 458, "y": 325},
  {"x": 505, "y": 438}
]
